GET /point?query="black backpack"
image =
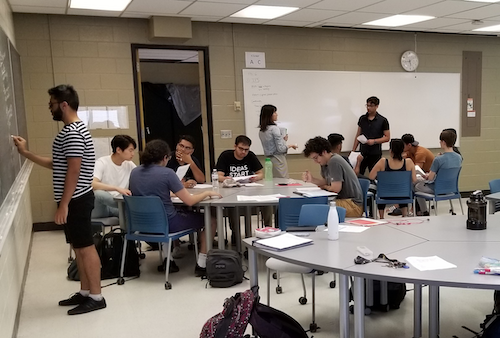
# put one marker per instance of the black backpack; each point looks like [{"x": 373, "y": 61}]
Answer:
[
  {"x": 490, "y": 327},
  {"x": 224, "y": 268},
  {"x": 396, "y": 293},
  {"x": 268, "y": 322}
]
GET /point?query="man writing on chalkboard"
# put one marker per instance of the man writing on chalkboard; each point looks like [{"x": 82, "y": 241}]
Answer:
[
  {"x": 72, "y": 163},
  {"x": 373, "y": 130}
]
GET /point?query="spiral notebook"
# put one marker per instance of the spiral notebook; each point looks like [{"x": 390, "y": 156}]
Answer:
[{"x": 282, "y": 242}]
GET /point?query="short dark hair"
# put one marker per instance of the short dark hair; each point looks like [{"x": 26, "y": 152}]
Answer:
[
  {"x": 453, "y": 130},
  {"x": 335, "y": 139},
  {"x": 65, "y": 93},
  {"x": 154, "y": 152},
  {"x": 317, "y": 145},
  {"x": 188, "y": 138},
  {"x": 448, "y": 137},
  {"x": 266, "y": 113},
  {"x": 243, "y": 140},
  {"x": 373, "y": 100},
  {"x": 397, "y": 146},
  {"x": 122, "y": 142},
  {"x": 408, "y": 138}
]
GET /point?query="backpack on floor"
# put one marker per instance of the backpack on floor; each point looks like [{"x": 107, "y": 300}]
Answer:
[
  {"x": 224, "y": 268},
  {"x": 268, "y": 322},
  {"x": 73, "y": 268},
  {"x": 110, "y": 253},
  {"x": 233, "y": 320},
  {"x": 396, "y": 293},
  {"x": 490, "y": 327}
]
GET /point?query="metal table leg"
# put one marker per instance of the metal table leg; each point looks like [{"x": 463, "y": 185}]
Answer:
[
  {"x": 359, "y": 307},
  {"x": 433, "y": 311},
  {"x": 344, "y": 306},
  {"x": 417, "y": 310},
  {"x": 208, "y": 227},
  {"x": 220, "y": 227}
]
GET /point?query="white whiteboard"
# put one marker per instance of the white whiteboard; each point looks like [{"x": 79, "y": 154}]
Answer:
[{"x": 317, "y": 103}]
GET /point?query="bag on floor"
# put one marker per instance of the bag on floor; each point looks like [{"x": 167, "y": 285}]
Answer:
[
  {"x": 110, "y": 253},
  {"x": 224, "y": 268},
  {"x": 233, "y": 320},
  {"x": 268, "y": 322},
  {"x": 396, "y": 293},
  {"x": 73, "y": 268},
  {"x": 490, "y": 327}
]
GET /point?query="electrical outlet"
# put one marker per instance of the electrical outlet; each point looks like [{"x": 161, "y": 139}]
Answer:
[
  {"x": 237, "y": 106},
  {"x": 226, "y": 134}
]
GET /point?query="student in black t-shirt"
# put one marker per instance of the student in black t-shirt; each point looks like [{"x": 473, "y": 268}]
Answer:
[
  {"x": 184, "y": 155},
  {"x": 240, "y": 161},
  {"x": 375, "y": 128}
]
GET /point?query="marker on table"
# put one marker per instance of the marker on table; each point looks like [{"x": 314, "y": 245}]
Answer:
[{"x": 487, "y": 271}]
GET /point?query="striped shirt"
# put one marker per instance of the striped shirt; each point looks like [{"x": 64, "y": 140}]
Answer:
[{"x": 73, "y": 140}]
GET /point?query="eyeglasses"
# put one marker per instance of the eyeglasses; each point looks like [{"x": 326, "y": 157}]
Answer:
[
  {"x": 370, "y": 105},
  {"x": 243, "y": 149},
  {"x": 182, "y": 146}
]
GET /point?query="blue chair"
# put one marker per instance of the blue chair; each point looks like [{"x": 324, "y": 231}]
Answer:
[
  {"x": 148, "y": 221},
  {"x": 445, "y": 188},
  {"x": 394, "y": 187},
  {"x": 495, "y": 187},
  {"x": 365, "y": 184},
  {"x": 316, "y": 214},
  {"x": 289, "y": 209}
]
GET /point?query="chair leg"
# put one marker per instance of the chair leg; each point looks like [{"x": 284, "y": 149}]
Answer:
[
  {"x": 70, "y": 255},
  {"x": 268, "y": 286},
  {"x": 313, "y": 324},
  {"x": 195, "y": 236},
  {"x": 168, "y": 285},
  {"x": 461, "y": 206},
  {"x": 303, "y": 285},
  {"x": 122, "y": 265},
  {"x": 436, "y": 208}
]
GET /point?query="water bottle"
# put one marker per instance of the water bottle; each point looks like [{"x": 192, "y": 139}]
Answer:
[
  {"x": 268, "y": 169},
  {"x": 333, "y": 222},
  {"x": 215, "y": 179}
]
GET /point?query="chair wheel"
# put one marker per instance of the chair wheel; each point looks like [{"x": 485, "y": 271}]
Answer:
[
  {"x": 313, "y": 327},
  {"x": 333, "y": 284},
  {"x": 368, "y": 311},
  {"x": 320, "y": 273},
  {"x": 279, "y": 290},
  {"x": 275, "y": 275},
  {"x": 168, "y": 286},
  {"x": 142, "y": 255},
  {"x": 120, "y": 281},
  {"x": 303, "y": 300}
]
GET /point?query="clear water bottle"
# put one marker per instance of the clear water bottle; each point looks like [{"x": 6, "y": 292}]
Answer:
[
  {"x": 333, "y": 222},
  {"x": 215, "y": 179},
  {"x": 268, "y": 169}
]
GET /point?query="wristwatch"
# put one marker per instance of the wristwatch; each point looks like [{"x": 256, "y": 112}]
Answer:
[{"x": 374, "y": 141}]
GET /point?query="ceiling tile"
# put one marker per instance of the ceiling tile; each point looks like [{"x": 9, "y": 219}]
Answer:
[
  {"x": 73, "y": 11},
  {"x": 287, "y": 3},
  {"x": 435, "y": 23},
  {"x": 286, "y": 23},
  {"x": 37, "y": 3},
  {"x": 468, "y": 26},
  {"x": 355, "y": 18},
  {"x": 157, "y": 7},
  {"x": 343, "y": 5},
  {"x": 245, "y": 2},
  {"x": 446, "y": 8},
  {"x": 397, "y": 6},
  {"x": 212, "y": 9},
  {"x": 37, "y": 9},
  {"x": 244, "y": 20},
  {"x": 311, "y": 15},
  {"x": 480, "y": 13}
]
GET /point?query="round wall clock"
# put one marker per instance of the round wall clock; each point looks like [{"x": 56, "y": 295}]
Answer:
[{"x": 409, "y": 61}]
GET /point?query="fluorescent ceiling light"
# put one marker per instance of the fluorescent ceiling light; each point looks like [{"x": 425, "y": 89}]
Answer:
[
  {"x": 399, "y": 20},
  {"x": 484, "y": 0},
  {"x": 100, "y": 5},
  {"x": 495, "y": 28},
  {"x": 263, "y": 12}
]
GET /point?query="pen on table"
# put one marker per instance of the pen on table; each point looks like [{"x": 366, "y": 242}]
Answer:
[{"x": 487, "y": 271}]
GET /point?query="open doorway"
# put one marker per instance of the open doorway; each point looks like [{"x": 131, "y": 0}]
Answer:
[{"x": 173, "y": 97}]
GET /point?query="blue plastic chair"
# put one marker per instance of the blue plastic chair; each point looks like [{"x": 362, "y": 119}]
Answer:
[
  {"x": 317, "y": 214},
  {"x": 365, "y": 184},
  {"x": 445, "y": 188},
  {"x": 495, "y": 187},
  {"x": 394, "y": 187},
  {"x": 289, "y": 209},
  {"x": 148, "y": 221}
]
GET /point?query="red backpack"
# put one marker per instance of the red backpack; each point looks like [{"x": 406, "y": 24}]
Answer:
[{"x": 233, "y": 320}]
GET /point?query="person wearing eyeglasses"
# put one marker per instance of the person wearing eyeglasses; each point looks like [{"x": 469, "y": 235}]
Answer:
[
  {"x": 375, "y": 128},
  {"x": 182, "y": 155}
]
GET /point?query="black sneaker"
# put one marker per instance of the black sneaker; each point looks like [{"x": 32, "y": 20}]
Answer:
[
  {"x": 88, "y": 305},
  {"x": 199, "y": 271},
  {"x": 76, "y": 299},
  {"x": 172, "y": 269},
  {"x": 396, "y": 212}
]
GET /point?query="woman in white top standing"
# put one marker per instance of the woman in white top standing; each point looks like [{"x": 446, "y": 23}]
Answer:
[{"x": 273, "y": 140}]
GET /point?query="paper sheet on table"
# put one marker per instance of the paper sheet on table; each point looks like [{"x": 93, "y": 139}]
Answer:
[
  {"x": 314, "y": 192},
  {"x": 362, "y": 138},
  {"x": 353, "y": 158},
  {"x": 243, "y": 178},
  {"x": 253, "y": 184},
  {"x": 203, "y": 186},
  {"x": 430, "y": 263},
  {"x": 351, "y": 228},
  {"x": 259, "y": 198},
  {"x": 182, "y": 170}
]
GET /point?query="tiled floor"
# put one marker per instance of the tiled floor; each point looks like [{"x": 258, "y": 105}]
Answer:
[{"x": 142, "y": 307}]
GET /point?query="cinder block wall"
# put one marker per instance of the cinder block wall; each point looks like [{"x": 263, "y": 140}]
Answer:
[{"x": 93, "y": 53}]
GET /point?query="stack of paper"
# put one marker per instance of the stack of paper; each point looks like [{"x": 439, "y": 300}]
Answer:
[
  {"x": 259, "y": 198},
  {"x": 430, "y": 263},
  {"x": 314, "y": 192},
  {"x": 282, "y": 242}
]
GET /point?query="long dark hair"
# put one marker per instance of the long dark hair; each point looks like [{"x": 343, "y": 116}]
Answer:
[
  {"x": 266, "y": 116},
  {"x": 397, "y": 146},
  {"x": 155, "y": 152}
]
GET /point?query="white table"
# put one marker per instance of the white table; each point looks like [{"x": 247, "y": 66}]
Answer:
[{"x": 492, "y": 198}]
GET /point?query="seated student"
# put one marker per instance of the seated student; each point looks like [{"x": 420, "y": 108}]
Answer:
[
  {"x": 183, "y": 155},
  {"x": 396, "y": 162},
  {"x": 337, "y": 176},
  {"x": 111, "y": 175},
  {"x": 420, "y": 156},
  {"x": 448, "y": 159},
  {"x": 153, "y": 178},
  {"x": 336, "y": 142},
  {"x": 455, "y": 149},
  {"x": 240, "y": 161}
]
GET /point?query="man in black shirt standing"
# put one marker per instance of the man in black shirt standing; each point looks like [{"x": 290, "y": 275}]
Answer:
[{"x": 375, "y": 128}]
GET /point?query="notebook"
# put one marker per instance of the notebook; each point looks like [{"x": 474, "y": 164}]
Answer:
[{"x": 282, "y": 242}]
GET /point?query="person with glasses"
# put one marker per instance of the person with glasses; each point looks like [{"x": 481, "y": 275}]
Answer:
[
  {"x": 336, "y": 176},
  {"x": 183, "y": 155},
  {"x": 375, "y": 128}
]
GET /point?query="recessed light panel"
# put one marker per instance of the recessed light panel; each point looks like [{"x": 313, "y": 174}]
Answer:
[
  {"x": 495, "y": 28},
  {"x": 399, "y": 20},
  {"x": 100, "y": 5},
  {"x": 263, "y": 12},
  {"x": 484, "y": 0}
]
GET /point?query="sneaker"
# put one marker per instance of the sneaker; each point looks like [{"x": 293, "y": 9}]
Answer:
[
  {"x": 391, "y": 208},
  {"x": 172, "y": 269},
  {"x": 177, "y": 252},
  {"x": 75, "y": 299},
  {"x": 395, "y": 212},
  {"x": 88, "y": 305},
  {"x": 199, "y": 271}
]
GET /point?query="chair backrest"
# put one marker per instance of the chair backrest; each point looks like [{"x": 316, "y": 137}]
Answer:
[
  {"x": 317, "y": 214},
  {"x": 494, "y": 186},
  {"x": 394, "y": 184},
  {"x": 365, "y": 184},
  {"x": 289, "y": 209},
  {"x": 446, "y": 181},
  {"x": 146, "y": 214}
]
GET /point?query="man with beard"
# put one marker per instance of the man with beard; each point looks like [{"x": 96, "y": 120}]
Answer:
[{"x": 72, "y": 163}]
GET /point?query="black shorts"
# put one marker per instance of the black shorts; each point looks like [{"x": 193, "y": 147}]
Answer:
[{"x": 78, "y": 229}]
